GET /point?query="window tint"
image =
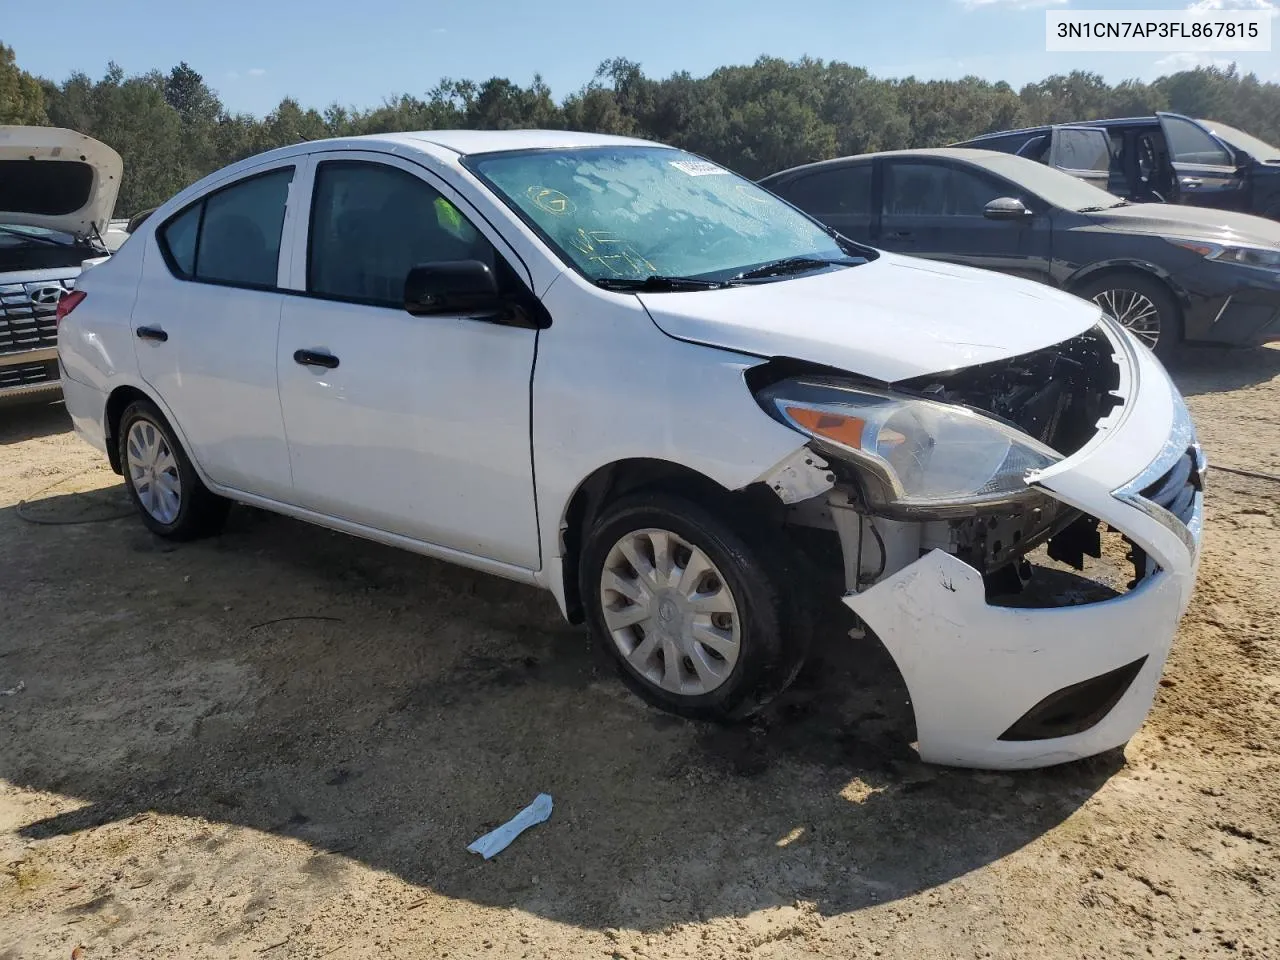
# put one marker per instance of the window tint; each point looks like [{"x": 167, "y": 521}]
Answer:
[
  {"x": 240, "y": 235},
  {"x": 1082, "y": 150},
  {"x": 936, "y": 190},
  {"x": 371, "y": 223},
  {"x": 178, "y": 238},
  {"x": 1190, "y": 144},
  {"x": 846, "y": 190},
  {"x": 1034, "y": 149}
]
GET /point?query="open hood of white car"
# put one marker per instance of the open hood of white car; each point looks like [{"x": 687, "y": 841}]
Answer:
[
  {"x": 57, "y": 179},
  {"x": 893, "y": 318}
]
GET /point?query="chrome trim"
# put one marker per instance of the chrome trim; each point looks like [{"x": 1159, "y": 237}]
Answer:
[
  {"x": 1225, "y": 304},
  {"x": 39, "y": 355}
]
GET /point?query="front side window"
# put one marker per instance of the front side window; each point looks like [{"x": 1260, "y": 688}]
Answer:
[
  {"x": 372, "y": 223},
  {"x": 632, "y": 212},
  {"x": 937, "y": 190},
  {"x": 231, "y": 236},
  {"x": 1188, "y": 143}
]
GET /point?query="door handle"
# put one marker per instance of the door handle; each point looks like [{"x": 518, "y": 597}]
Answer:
[
  {"x": 1192, "y": 181},
  {"x": 313, "y": 358},
  {"x": 152, "y": 333},
  {"x": 899, "y": 234}
]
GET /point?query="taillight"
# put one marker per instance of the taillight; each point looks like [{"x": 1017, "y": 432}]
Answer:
[{"x": 68, "y": 303}]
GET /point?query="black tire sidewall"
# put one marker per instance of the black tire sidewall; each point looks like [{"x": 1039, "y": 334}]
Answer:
[
  {"x": 753, "y": 576},
  {"x": 191, "y": 486},
  {"x": 1171, "y": 332}
]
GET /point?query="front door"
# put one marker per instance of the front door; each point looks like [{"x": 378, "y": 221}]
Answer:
[
  {"x": 934, "y": 208},
  {"x": 1204, "y": 171},
  {"x": 412, "y": 425}
]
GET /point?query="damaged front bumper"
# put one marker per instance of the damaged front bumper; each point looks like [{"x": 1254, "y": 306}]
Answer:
[{"x": 1000, "y": 687}]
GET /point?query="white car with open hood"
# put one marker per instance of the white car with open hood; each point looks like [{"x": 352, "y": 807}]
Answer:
[
  {"x": 620, "y": 372},
  {"x": 57, "y": 191}
]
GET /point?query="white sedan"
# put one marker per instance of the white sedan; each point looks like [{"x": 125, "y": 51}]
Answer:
[{"x": 620, "y": 372}]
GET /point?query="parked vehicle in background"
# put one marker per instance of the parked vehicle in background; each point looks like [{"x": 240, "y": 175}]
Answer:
[
  {"x": 1170, "y": 274},
  {"x": 732, "y": 411},
  {"x": 1165, "y": 157},
  {"x": 57, "y": 191}
]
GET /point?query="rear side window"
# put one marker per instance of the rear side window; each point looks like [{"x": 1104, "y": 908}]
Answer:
[
  {"x": 1083, "y": 150},
  {"x": 231, "y": 236},
  {"x": 844, "y": 191}
]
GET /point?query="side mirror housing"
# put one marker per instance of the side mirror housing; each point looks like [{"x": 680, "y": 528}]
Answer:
[
  {"x": 454, "y": 286},
  {"x": 1006, "y": 208}
]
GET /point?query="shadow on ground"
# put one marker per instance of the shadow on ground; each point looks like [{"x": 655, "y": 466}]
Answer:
[
  {"x": 29, "y": 421},
  {"x": 1202, "y": 370},
  {"x": 419, "y": 705}
]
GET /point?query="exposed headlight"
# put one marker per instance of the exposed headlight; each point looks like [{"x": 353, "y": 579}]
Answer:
[
  {"x": 927, "y": 455},
  {"x": 1264, "y": 257}
]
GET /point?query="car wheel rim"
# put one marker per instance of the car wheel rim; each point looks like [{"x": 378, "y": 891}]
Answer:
[
  {"x": 670, "y": 612},
  {"x": 1134, "y": 311},
  {"x": 153, "y": 469}
]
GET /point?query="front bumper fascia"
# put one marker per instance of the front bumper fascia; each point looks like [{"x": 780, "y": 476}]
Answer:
[{"x": 973, "y": 670}]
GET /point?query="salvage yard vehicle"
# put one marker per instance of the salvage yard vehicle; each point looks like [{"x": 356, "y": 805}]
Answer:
[
  {"x": 1163, "y": 158},
  {"x": 620, "y": 372},
  {"x": 57, "y": 191},
  {"x": 1170, "y": 274}
]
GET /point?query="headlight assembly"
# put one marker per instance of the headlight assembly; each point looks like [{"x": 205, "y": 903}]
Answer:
[
  {"x": 927, "y": 456},
  {"x": 1263, "y": 257}
]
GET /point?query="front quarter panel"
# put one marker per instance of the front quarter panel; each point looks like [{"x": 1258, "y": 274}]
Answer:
[{"x": 610, "y": 386}]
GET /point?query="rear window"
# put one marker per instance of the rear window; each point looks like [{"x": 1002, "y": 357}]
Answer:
[{"x": 47, "y": 188}]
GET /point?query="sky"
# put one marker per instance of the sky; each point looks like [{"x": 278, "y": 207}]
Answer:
[{"x": 254, "y": 52}]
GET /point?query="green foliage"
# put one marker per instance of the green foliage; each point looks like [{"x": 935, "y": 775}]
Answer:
[{"x": 171, "y": 129}]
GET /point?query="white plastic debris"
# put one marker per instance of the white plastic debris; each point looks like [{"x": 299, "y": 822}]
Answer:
[{"x": 498, "y": 840}]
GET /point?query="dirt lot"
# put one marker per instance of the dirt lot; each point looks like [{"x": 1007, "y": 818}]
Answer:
[{"x": 181, "y": 777}]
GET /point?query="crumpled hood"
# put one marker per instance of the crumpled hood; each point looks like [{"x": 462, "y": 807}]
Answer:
[
  {"x": 57, "y": 179},
  {"x": 1192, "y": 223},
  {"x": 893, "y": 318}
]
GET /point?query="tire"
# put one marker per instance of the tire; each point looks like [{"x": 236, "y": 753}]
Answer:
[
  {"x": 1123, "y": 293},
  {"x": 756, "y": 567},
  {"x": 161, "y": 481}
]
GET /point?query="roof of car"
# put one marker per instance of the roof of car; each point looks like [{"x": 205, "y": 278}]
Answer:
[
  {"x": 1031, "y": 131},
  {"x": 467, "y": 142},
  {"x": 955, "y": 153}
]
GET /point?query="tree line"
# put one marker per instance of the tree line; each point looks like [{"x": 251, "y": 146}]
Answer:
[{"x": 172, "y": 128}]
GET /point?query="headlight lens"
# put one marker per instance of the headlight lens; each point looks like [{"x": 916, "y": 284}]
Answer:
[
  {"x": 1267, "y": 259},
  {"x": 927, "y": 454}
]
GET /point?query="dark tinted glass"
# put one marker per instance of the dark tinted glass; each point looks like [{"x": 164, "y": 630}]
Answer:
[
  {"x": 178, "y": 239},
  {"x": 843, "y": 190},
  {"x": 240, "y": 236},
  {"x": 937, "y": 190}
]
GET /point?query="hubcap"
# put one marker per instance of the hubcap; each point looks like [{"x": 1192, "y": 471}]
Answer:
[
  {"x": 154, "y": 471},
  {"x": 1131, "y": 309},
  {"x": 670, "y": 612}
]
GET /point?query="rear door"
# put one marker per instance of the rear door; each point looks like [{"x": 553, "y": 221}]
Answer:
[
  {"x": 839, "y": 196},
  {"x": 1204, "y": 171},
  {"x": 934, "y": 207},
  {"x": 1083, "y": 152}
]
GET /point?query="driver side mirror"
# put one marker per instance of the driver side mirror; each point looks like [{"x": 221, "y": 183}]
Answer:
[
  {"x": 454, "y": 286},
  {"x": 1006, "y": 208}
]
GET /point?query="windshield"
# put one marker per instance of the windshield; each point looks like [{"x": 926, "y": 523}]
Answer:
[
  {"x": 1058, "y": 188},
  {"x": 1258, "y": 149},
  {"x": 630, "y": 213}
]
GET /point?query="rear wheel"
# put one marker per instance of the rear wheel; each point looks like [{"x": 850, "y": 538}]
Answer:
[
  {"x": 1143, "y": 305},
  {"x": 162, "y": 483},
  {"x": 697, "y": 615}
]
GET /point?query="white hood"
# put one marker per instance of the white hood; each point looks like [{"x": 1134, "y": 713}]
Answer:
[
  {"x": 57, "y": 179},
  {"x": 893, "y": 318}
]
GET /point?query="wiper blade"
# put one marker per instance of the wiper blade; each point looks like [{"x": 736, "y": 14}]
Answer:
[
  {"x": 794, "y": 265},
  {"x": 657, "y": 283},
  {"x": 36, "y": 237}
]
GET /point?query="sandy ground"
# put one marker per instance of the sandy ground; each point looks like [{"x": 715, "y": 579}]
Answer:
[{"x": 181, "y": 777}]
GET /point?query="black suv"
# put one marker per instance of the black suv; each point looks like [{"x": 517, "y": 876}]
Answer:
[{"x": 1166, "y": 157}]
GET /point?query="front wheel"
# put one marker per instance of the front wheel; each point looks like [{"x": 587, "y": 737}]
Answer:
[
  {"x": 1143, "y": 305},
  {"x": 695, "y": 611},
  {"x": 162, "y": 483}
]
